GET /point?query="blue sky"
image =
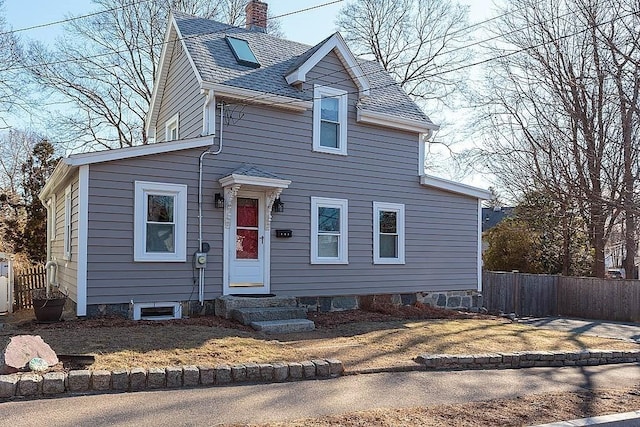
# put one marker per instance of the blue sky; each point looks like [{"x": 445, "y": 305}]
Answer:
[{"x": 307, "y": 27}]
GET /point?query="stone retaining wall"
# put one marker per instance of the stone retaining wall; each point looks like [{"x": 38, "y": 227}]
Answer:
[
  {"x": 527, "y": 359},
  {"x": 136, "y": 379}
]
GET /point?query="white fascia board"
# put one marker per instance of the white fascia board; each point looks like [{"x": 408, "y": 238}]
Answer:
[
  {"x": 256, "y": 181},
  {"x": 387, "y": 120},
  {"x": 454, "y": 187},
  {"x": 138, "y": 151},
  {"x": 258, "y": 97},
  {"x": 58, "y": 176},
  {"x": 299, "y": 75},
  {"x": 160, "y": 78}
]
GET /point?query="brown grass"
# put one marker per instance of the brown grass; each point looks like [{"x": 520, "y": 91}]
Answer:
[
  {"x": 362, "y": 340},
  {"x": 525, "y": 410}
]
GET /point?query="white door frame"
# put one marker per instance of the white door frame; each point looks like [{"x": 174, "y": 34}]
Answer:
[{"x": 229, "y": 238}]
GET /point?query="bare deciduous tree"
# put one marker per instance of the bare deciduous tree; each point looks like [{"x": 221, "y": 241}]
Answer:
[
  {"x": 560, "y": 100},
  {"x": 105, "y": 64},
  {"x": 11, "y": 93},
  {"x": 417, "y": 41}
]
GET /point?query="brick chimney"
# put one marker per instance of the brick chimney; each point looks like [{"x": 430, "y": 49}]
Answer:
[{"x": 256, "y": 15}]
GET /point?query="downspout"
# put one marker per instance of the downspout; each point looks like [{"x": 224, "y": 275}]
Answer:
[
  {"x": 52, "y": 278},
  {"x": 201, "y": 274}
]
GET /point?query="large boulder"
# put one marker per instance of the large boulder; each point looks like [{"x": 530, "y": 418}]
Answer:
[{"x": 19, "y": 350}]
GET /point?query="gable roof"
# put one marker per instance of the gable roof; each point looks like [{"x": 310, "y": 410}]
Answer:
[
  {"x": 299, "y": 69},
  {"x": 216, "y": 68}
]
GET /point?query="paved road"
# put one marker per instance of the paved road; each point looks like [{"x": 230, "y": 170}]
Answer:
[
  {"x": 286, "y": 401},
  {"x": 601, "y": 328}
]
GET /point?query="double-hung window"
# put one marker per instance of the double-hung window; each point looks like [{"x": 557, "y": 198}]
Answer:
[
  {"x": 329, "y": 231},
  {"x": 160, "y": 222},
  {"x": 329, "y": 120},
  {"x": 388, "y": 233}
]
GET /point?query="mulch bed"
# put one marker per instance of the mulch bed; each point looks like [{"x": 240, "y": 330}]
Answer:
[{"x": 377, "y": 312}]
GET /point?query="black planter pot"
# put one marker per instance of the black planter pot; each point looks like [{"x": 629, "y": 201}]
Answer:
[{"x": 48, "y": 310}]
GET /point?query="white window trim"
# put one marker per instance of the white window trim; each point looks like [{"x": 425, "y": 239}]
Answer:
[
  {"x": 175, "y": 306},
  {"x": 343, "y": 245},
  {"x": 67, "y": 224},
  {"x": 53, "y": 216},
  {"x": 142, "y": 189},
  {"x": 318, "y": 93},
  {"x": 400, "y": 227},
  {"x": 171, "y": 123}
]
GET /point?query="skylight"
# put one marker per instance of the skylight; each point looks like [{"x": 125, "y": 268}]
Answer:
[{"x": 243, "y": 53}]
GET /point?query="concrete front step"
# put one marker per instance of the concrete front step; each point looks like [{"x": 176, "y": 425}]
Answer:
[
  {"x": 284, "y": 326},
  {"x": 258, "y": 314},
  {"x": 227, "y": 303}
]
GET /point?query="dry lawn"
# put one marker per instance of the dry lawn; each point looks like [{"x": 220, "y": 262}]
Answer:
[
  {"x": 523, "y": 411},
  {"x": 361, "y": 340}
]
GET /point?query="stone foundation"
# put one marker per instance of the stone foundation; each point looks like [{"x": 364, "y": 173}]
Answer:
[{"x": 455, "y": 300}]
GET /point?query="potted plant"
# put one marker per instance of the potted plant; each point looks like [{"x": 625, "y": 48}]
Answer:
[{"x": 48, "y": 303}]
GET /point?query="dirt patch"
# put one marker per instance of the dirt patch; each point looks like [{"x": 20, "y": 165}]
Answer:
[{"x": 525, "y": 410}]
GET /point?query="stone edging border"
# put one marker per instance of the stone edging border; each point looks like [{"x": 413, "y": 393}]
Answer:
[
  {"x": 31, "y": 384},
  {"x": 529, "y": 359}
]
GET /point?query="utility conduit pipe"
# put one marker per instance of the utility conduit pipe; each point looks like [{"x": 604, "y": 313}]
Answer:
[{"x": 200, "y": 172}]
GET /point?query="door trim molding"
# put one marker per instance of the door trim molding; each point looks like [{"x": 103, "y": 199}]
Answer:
[{"x": 229, "y": 241}]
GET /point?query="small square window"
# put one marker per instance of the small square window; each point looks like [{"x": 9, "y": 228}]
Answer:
[
  {"x": 329, "y": 231},
  {"x": 388, "y": 233},
  {"x": 329, "y": 120}
]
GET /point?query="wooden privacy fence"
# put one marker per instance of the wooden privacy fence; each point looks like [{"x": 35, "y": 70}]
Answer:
[
  {"x": 544, "y": 295},
  {"x": 26, "y": 280}
]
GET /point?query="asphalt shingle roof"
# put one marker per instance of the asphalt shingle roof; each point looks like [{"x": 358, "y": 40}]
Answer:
[
  {"x": 251, "y": 170},
  {"x": 204, "y": 40}
]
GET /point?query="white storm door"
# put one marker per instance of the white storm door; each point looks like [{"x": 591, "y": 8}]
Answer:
[{"x": 247, "y": 249}]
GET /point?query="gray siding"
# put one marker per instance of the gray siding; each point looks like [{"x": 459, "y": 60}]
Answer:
[
  {"x": 441, "y": 228},
  {"x": 67, "y": 269},
  {"x": 182, "y": 96}
]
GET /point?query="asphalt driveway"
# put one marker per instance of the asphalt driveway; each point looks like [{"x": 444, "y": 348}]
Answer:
[{"x": 619, "y": 330}]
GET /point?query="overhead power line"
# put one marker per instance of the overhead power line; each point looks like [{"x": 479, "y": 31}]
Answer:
[{"x": 73, "y": 18}]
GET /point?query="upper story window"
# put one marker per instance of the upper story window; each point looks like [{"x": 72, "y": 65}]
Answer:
[
  {"x": 329, "y": 231},
  {"x": 329, "y": 120},
  {"x": 160, "y": 222},
  {"x": 171, "y": 128},
  {"x": 388, "y": 233}
]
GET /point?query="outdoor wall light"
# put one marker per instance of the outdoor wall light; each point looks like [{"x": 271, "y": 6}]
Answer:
[
  {"x": 219, "y": 201},
  {"x": 278, "y": 206}
]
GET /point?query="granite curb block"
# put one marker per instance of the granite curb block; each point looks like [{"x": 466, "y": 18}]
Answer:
[
  {"x": 30, "y": 384},
  {"x": 529, "y": 359}
]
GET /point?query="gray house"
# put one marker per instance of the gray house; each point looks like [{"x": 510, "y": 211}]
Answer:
[{"x": 276, "y": 168}]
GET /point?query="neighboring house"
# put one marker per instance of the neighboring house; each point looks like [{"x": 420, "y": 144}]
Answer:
[
  {"x": 277, "y": 168},
  {"x": 492, "y": 216}
]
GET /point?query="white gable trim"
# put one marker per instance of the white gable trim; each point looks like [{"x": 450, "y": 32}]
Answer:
[
  {"x": 161, "y": 78},
  {"x": 454, "y": 187},
  {"x": 257, "y": 97},
  {"x": 387, "y": 120},
  {"x": 137, "y": 151},
  {"x": 299, "y": 75}
]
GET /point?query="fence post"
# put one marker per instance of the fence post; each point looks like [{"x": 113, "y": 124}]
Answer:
[{"x": 516, "y": 292}]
